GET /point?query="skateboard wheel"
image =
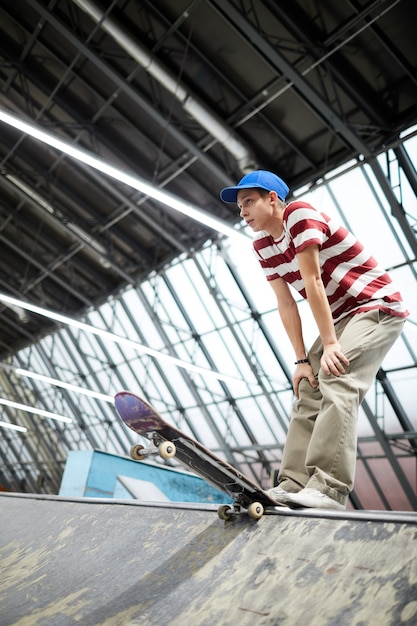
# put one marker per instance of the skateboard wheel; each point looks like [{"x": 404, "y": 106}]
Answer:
[
  {"x": 255, "y": 510},
  {"x": 135, "y": 452},
  {"x": 167, "y": 450},
  {"x": 225, "y": 512}
]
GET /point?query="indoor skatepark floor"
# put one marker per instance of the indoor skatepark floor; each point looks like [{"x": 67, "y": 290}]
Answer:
[{"x": 108, "y": 562}]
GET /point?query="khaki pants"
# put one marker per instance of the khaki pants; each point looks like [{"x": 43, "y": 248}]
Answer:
[{"x": 320, "y": 450}]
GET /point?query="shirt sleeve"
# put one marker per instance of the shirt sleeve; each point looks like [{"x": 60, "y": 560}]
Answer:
[{"x": 306, "y": 227}]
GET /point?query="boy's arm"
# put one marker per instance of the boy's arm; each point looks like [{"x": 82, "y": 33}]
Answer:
[
  {"x": 333, "y": 357},
  {"x": 288, "y": 311}
]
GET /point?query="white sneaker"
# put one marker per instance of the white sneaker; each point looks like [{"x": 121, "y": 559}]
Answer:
[
  {"x": 278, "y": 493},
  {"x": 314, "y": 499}
]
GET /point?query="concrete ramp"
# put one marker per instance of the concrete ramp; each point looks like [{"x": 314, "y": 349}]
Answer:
[{"x": 114, "y": 563}]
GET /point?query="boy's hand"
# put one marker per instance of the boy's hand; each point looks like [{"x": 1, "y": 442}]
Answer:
[
  {"x": 333, "y": 359},
  {"x": 303, "y": 370}
]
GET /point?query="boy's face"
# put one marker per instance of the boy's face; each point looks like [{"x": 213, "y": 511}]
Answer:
[{"x": 257, "y": 210}]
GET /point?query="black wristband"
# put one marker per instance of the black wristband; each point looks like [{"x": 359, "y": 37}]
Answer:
[{"x": 301, "y": 361}]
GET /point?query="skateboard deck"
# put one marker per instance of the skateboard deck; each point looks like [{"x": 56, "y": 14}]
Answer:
[{"x": 168, "y": 441}]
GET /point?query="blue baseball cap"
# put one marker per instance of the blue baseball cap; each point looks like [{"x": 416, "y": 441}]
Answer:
[{"x": 260, "y": 178}]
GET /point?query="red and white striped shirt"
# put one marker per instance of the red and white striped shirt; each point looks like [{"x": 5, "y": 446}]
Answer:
[{"x": 353, "y": 280}]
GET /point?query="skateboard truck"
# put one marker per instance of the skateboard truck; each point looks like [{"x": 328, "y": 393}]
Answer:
[
  {"x": 226, "y": 512},
  {"x": 165, "y": 449}
]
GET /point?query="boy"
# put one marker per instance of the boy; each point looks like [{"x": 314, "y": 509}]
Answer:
[{"x": 359, "y": 314}]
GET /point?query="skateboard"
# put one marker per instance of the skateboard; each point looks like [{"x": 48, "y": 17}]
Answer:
[{"x": 169, "y": 442}]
